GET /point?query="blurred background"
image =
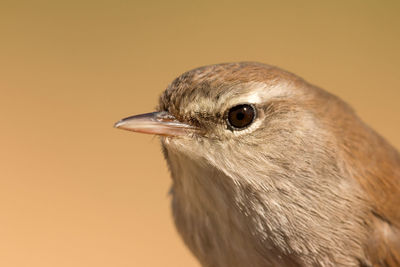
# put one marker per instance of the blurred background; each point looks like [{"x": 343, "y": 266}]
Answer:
[{"x": 74, "y": 191}]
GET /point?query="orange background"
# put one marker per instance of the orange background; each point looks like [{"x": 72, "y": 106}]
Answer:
[{"x": 76, "y": 192}]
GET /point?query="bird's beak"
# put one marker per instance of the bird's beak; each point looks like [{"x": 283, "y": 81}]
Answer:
[{"x": 160, "y": 123}]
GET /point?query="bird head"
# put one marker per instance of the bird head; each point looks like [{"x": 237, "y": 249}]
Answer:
[{"x": 240, "y": 117}]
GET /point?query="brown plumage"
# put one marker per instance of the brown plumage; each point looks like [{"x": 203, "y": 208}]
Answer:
[{"x": 296, "y": 179}]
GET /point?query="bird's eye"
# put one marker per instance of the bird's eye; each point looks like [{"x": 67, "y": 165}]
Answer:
[{"x": 241, "y": 116}]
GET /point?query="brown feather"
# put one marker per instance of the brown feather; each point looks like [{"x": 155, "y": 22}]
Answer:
[{"x": 309, "y": 185}]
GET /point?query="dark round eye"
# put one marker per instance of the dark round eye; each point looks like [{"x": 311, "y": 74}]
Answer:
[{"x": 241, "y": 116}]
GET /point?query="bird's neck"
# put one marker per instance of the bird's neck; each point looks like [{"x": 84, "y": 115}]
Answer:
[{"x": 207, "y": 208}]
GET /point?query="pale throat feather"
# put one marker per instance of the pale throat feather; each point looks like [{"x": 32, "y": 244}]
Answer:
[{"x": 204, "y": 202}]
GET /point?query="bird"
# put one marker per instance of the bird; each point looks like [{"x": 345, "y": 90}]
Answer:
[{"x": 270, "y": 170}]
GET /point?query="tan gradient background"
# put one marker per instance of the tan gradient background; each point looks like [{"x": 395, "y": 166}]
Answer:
[{"x": 76, "y": 192}]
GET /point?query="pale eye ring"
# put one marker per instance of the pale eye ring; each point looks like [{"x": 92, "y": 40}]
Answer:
[{"x": 241, "y": 116}]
